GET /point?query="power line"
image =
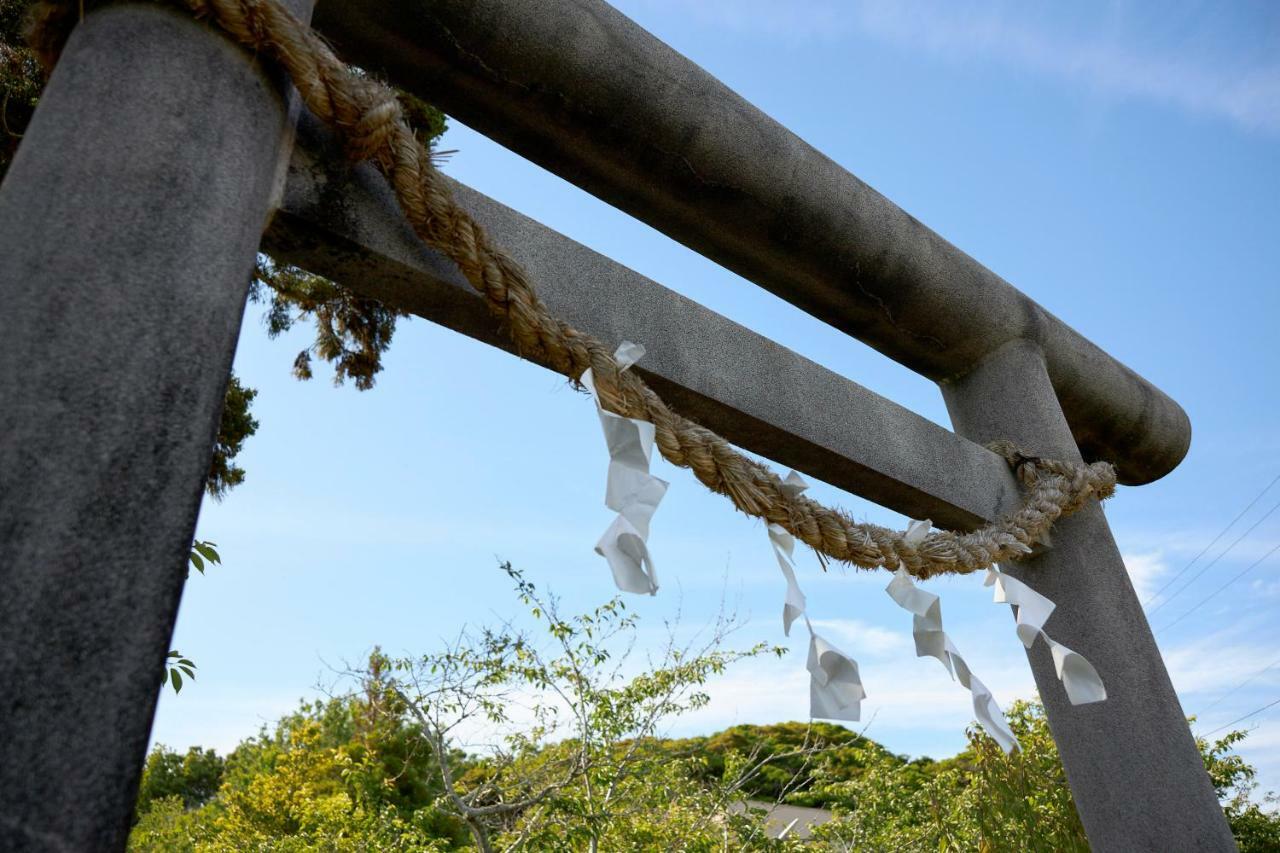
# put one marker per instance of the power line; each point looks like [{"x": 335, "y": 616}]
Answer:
[
  {"x": 1248, "y": 680},
  {"x": 1214, "y": 561},
  {"x": 1206, "y": 599},
  {"x": 1242, "y": 719},
  {"x": 1221, "y": 533}
]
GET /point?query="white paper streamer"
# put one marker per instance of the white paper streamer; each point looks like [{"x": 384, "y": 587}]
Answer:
[
  {"x": 631, "y": 490},
  {"x": 835, "y": 687},
  {"x": 932, "y": 641},
  {"x": 784, "y": 546},
  {"x": 1031, "y": 610}
]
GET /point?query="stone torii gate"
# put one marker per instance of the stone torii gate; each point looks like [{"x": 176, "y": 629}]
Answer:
[{"x": 163, "y": 157}]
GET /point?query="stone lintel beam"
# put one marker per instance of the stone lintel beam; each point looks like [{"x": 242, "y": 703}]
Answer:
[
  {"x": 581, "y": 90},
  {"x": 343, "y": 222}
]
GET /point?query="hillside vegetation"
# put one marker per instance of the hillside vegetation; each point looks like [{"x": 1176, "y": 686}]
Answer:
[{"x": 572, "y": 759}]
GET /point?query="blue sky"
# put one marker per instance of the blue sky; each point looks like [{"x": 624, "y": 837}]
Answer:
[{"x": 1119, "y": 162}]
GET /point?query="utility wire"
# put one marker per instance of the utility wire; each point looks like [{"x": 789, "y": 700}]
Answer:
[
  {"x": 1214, "y": 561},
  {"x": 1248, "y": 680},
  {"x": 1242, "y": 719},
  {"x": 1206, "y": 599},
  {"x": 1221, "y": 533}
]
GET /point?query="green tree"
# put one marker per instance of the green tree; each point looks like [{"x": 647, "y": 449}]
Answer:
[
  {"x": 985, "y": 800},
  {"x": 577, "y": 763},
  {"x": 193, "y": 778},
  {"x": 1255, "y": 825},
  {"x": 236, "y": 425},
  {"x": 573, "y": 761},
  {"x": 793, "y": 756},
  {"x": 349, "y": 773},
  {"x": 20, "y": 79}
]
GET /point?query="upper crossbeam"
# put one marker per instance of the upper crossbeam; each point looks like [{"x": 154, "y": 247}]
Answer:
[{"x": 343, "y": 222}]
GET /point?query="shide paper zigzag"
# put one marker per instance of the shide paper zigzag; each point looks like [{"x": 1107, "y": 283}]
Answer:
[
  {"x": 932, "y": 641},
  {"x": 835, "y": 685},
  {"x": 1031, "y": 610},
  {"x": 631, "y": 490}
]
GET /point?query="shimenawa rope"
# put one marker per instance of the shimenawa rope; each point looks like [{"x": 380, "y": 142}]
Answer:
[{"x": 368, "y": 118}]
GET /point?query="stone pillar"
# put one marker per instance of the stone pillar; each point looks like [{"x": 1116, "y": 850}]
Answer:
[
  {"x": 1134, "y": 770},
  {"x": 129, "y": 220}
]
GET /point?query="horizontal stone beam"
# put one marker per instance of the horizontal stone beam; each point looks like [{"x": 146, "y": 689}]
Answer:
[
  {"x": 343, "y": 222},
  {"x": 578, "y": 88}
]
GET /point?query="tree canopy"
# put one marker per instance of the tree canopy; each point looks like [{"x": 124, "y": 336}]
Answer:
[{"x": 551, "y": 740}]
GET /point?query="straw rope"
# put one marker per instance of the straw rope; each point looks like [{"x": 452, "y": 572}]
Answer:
[{"x": 367, "y": 117}]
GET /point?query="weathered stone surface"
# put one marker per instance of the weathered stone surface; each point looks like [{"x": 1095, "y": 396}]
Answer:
[
  {"x": 128, "y": 226},
  {"x": 1134, "y": 770},
  {"x": 580, "y": 89},
  {"x": 344, "y": 223}
]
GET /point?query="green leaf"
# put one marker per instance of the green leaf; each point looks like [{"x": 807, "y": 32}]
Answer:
[
  {"x": 207, "y": 551},
  {"x": 177, "y": 680},
  {"x": 197, "y": 562}
]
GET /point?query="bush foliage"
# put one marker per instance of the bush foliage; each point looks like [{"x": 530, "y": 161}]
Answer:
[{"x": 573, "y": 761}]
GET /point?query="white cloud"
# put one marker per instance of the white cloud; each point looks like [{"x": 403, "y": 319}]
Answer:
[
  {"x": 863, "y": 638},
  {"x": 1217, "y": 662},
  {"x": 1216, "y": 85},
  {"x": 1147, "y": 571},
  {"x": 1250, "y": 97}
]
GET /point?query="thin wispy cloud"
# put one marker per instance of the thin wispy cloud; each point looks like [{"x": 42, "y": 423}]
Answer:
[
  {"x": 1180, "y": 546},
  {"x": 1147, "y": 571},
  {"x": 1194, "y": 75},
  {"x": 1211, "y": 663},
  {"x": 868, "y": 639}
]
